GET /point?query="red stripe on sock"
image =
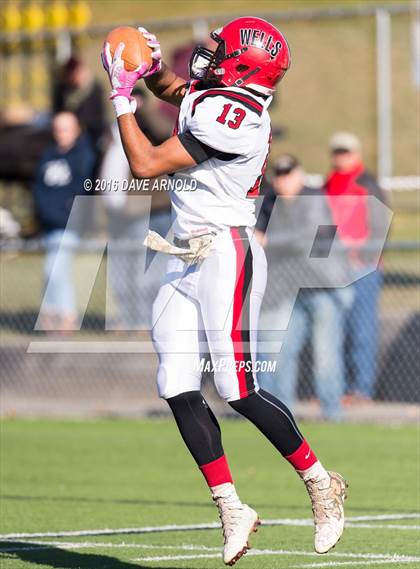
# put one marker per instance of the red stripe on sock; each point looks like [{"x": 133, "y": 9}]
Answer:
[
  {"x": 302, "y": 458},
  {"x": 217, "y": 472}
]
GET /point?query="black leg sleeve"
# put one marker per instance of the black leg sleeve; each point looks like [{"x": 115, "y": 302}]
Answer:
[
  {"x": 272, "y": 418},
  {"x": 198, "y": 426}
]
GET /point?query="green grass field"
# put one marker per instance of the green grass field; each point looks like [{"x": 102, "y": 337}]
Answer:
[{"x": 87, "y": 475}]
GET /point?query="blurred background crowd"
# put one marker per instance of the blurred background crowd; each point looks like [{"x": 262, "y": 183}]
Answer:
[{"x": 345, "y": 152}]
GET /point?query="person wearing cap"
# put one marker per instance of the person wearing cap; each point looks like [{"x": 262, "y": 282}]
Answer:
[
  {"x": 358, "y": 226},
  {"x": 291, "y": 214}
]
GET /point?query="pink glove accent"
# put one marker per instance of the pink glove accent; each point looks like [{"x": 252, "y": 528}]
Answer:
[
  {"x": 152, "y": 42},
  {"x": 122, "y": 81}
]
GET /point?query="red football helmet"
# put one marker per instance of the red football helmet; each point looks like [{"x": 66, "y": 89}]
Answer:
[{"x": 250, "y": 52}]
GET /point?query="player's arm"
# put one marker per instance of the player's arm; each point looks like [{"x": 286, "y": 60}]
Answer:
[
  {"x": 146, "y": 160},
  {"x": 166, "y": 85}
]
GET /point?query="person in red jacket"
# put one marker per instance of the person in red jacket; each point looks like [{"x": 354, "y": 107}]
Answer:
[{"x": 358, "y": 226}]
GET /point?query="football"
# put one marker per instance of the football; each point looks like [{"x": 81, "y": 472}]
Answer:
[{"x": 136, "y": 50}]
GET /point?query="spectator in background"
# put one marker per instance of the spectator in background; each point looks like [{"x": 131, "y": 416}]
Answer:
[
  {"x": 287, "y": 231},
  {"x": 24, "y": 133},
  {"x": 358, "y": 227},
  {"x": 59, "y": 179},
  {"x": 128, "y": 217},
  {"x": 79, "y": 92},
  {"x": 9, "y": 227}
]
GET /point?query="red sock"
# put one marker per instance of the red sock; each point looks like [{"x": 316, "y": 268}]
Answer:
[
  {"x": 303, "y": 458},
  {"x": 216, "y": 472}
]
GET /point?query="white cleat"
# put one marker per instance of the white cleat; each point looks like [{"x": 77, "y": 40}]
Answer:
[
  {"x": 327, "y": 497},
  {"x": 238, "y": 522}
]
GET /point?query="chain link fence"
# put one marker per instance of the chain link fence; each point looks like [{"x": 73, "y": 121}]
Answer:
[{"x": 103, "y": 368}]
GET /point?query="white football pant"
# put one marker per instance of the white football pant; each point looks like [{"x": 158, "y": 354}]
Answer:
[{"x": 211, "y": 307}]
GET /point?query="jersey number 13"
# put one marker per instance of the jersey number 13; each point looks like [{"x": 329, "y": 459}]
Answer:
[{"x": 237, "y": 118}]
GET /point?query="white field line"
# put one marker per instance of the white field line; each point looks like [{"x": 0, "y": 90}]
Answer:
[
  {"x": 347, "y": 563},
  {"x": 194, "y": 547},
  {"x": 385, "y": 517},
  {"x": 37, "y": 545},
  {"x": 180, "y": 557},
  {"x": 383, "y": 526},
  {"x": 119, "y": 531},
  {"x": 351, "y": 522},
  {"x": 363, "y": 558},
  {"x": 373, "y": 558}
]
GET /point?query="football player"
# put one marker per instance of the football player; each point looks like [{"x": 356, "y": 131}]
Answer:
[{"x": 217, "y": 271}]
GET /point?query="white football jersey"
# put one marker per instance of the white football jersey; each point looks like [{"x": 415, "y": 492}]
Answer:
[{"x": 227, "y": 131}]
